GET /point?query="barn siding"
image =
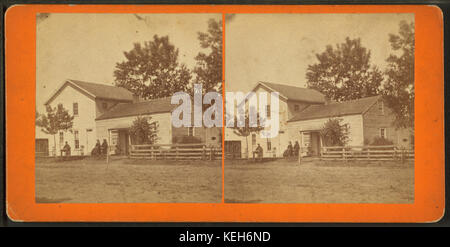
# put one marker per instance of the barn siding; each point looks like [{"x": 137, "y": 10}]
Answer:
[{"x": 374, "y": 119}]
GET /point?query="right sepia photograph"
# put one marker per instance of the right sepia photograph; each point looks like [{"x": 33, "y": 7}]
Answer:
[{"x": 319, "y": 108}]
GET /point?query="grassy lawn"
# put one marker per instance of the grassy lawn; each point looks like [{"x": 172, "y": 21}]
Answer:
[
  {"x": 318, "y": 182},
  {"x": 121, "y": 181}
]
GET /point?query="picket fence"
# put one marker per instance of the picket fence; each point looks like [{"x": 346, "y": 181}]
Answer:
[
  {"x": 176, "y": 152},
  {"x": 388, "y": 152}
]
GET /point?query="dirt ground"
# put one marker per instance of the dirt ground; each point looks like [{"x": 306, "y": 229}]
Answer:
[
  {"x": 318, "y": 182},
  {"x": 121, "y": 181}
]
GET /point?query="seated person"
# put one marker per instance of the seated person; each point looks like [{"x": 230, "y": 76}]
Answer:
[{"x": 66, "y": 150}]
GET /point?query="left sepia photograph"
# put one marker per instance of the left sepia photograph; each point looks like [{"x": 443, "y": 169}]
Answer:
[{"x": 105, "y": 130}]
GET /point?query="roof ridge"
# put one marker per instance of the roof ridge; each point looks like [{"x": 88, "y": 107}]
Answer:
[
  {"x": 95, "y": 83},
  {"x": 354, "y": 100}
]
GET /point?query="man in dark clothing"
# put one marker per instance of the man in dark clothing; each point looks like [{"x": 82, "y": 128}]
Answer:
[
  {"x": 290, "y": 150},
  {"x": 66, "y": 149},
  {"x": 104, "y": 147},
  {"x": 97, "y": 149},
  {"x": 258, "y": 152},
  {"x": 296, "y": 149}
]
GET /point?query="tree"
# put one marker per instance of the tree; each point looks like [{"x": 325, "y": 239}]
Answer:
[
  {"x": 246, "y": 130},
  {"x": 143, "y": 131},
  {"x": 334, "y": 133},
  {"x": 398, "y": 90},
  {"x": 152, "y": 70},
  {"x": 57, "y": 119},
  {"x": 209, "y": 66},
  {"x": 344, "y": 73}
]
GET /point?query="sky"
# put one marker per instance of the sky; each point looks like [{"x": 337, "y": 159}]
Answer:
[
  {"x": 87, "y": 46},
  {"x": 279, "y": 47}
]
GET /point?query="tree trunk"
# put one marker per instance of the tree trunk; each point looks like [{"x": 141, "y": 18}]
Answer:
[
  {"x": 246, "y": 150},
  {"x": 54, "y": 144}
]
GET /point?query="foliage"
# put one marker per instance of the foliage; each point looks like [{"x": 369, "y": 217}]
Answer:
[
  {"x": 55, "y": 120},
  {"x": 209, "y": 66},
  {"x": 334, "y": 133},
  {"x": 344, "y": 73},
  {"x": 246, "y": 130},
  {"x": 143, "y": 131},
  {"x": 185, "y": 139},
  {"x": 380, "y": 141},
  {"x": 152, "y": 70},
  {"x": 398, "y": 91}
]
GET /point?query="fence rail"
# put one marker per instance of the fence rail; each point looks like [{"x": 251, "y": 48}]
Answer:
[
  {"x": 175, "y": 152},
  {"x": 367, "y": 153}
]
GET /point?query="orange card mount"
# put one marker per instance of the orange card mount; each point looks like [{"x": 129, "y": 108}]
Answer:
[{"x": 52, "y": 189}]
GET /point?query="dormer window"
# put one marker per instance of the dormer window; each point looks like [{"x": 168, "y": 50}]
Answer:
[{"x": 75, "y": 109}]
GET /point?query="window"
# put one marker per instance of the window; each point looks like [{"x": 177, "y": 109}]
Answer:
[
  {"x": 105, "y": 105},
  {"x": 381, "y": 107},
  {"x": 269, "y": 144},
  {"x": 383, "y": 133},
  {"x": 77, "y": 139},
  {"x": 268, "y": 110},
  {"x": 253, "y": 139},
  {"x": 296, "y": 107},
  {"x": 75, "y": 109},
  {"x": 190, "y": 131},
  {"x": 306, "y": 139},
  {"x": 61, "y": 139}
]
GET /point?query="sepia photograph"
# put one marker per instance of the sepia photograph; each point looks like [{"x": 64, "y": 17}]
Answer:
[
  {"x": 320, "y": 108},
  {"x": 104, "y": 108}
]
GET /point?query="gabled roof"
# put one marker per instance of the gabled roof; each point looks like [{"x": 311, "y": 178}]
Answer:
[
  {"x": 295, "y": 93},
  {"x": 352, "y": 107},
  {"x": 162, "y": 105},
  {"x": 95, "y": 91}
]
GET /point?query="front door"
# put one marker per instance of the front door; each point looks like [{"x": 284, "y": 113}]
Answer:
[{"x": 233, "y": 149}]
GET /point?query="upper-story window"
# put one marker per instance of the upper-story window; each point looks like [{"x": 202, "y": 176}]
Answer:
[
  {"x": 296, "y": 107},
  {"x": 381, "y": 107},
  {"x": 75, "y": 109},
  {"x": 268, "y": 111},
  {"x": 105, "y": 105}
]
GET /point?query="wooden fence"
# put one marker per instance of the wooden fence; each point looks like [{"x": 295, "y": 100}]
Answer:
[
  {"x": 175, "y": 152},
  {"x": 367, "y": 153}
]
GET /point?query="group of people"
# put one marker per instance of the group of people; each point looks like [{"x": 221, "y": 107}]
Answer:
[
  {"x": 100, "y": 149},
  {"x": 292, "y": 151}
]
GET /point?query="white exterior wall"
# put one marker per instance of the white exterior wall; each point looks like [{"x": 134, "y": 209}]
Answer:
[
  {"x": 163, "y": 119},
  {"x": 355, "y": 122},
  {"x": 278, "y": 143},
  {"x": 83, "y": 121}
]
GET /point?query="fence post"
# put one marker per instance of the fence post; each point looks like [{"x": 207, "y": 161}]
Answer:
[
  {"x": 343, "y": 153},
  {"x": 204, "y": 153}
]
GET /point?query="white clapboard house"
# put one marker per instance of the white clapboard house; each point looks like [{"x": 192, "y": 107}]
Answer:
[
  {"x": 303, "y": 113},
  {"x": 104, "y": 112}
]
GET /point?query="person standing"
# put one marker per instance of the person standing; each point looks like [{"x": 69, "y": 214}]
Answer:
[
  {"x": 296, "y": 149},
  {"x": 104, "y": 147}
]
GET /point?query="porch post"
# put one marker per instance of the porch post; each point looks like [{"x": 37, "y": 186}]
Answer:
[{"x": 300, "y": 148}]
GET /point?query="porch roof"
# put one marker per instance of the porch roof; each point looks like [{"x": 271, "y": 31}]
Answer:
[{"x": 162, "y": 105}]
